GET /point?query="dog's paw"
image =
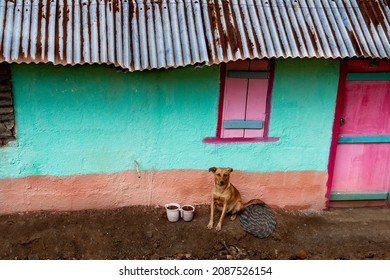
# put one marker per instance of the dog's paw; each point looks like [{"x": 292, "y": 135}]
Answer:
[
  {"x": 233, "y": 217},
  {"x": 210, "y": 226},
  {"x": 218, "y": 227}
]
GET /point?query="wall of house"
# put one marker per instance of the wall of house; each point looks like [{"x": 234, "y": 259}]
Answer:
[{"x": 80, "y": 128}]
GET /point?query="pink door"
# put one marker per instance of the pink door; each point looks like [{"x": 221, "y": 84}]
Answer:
[{"x": 362, "y": 167}]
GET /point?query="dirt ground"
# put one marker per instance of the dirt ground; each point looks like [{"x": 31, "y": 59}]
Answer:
[{"x": 145, "y": 233}]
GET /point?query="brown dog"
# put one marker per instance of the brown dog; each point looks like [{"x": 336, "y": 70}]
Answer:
[{"x": 226, "y": 197}]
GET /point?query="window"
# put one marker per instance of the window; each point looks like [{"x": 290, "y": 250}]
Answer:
[
  {"x": 7, "y": 117},
  {"x": 245, "y": 98}
]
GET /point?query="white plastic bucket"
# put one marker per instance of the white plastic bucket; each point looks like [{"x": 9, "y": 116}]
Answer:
[
  {"x": 173, "y": 211},
  {"x": 187, "y": 212}
]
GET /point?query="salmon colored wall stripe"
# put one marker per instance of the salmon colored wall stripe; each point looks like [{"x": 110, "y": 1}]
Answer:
[{"x": 290, "y": 190}]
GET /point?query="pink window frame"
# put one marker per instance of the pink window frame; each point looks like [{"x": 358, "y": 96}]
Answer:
[{"x": 218, "y": 139}]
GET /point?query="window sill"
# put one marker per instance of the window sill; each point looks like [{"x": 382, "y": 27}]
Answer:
[{"x": 217, "y": 140}]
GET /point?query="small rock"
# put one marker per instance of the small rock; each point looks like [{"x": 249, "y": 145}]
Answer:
[
  {"x": 229, "y": 257},
  {"x": 232, "y": 250},
  {"x": 188, "y": 256},
  {"x": 149, "y": 234},
  {"x": 302, "y": 254},
  {"x": 180, "y": 256},
  {"x": 370, "y": 255},
  {"x": 242, "y": 252},
  {"x": 31, "y": 240},
  {"x": 276, "y": 236}
]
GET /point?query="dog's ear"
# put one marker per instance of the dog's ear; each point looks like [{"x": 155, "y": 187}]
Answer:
[
  {"x": 212, "y": 169},
  {"x": 230, "y": 169}
]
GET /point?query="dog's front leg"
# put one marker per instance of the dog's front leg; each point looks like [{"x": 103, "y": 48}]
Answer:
[
  {"x": 211, "y": 222},
  {"x": 219, "y": 225}
]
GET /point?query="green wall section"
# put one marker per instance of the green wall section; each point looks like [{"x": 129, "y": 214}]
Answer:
[
  {"x": 303, "y": 107},
  {"x": 92, "y": 119}
]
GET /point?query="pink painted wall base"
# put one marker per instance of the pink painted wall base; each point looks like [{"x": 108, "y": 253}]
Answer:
[{"x": 290, "y": 190}]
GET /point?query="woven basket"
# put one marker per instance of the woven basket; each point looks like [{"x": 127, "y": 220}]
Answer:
[{"x": 258, "y": 220}]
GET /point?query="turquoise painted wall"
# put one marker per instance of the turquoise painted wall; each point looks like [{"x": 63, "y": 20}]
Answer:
[{"x": 92, "y": 119}]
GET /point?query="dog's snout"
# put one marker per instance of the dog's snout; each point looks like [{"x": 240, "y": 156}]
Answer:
[{"x": 221, "y": 182}]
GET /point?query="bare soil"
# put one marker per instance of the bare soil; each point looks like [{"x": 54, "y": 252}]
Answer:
[{"x": 145, "y": 233}]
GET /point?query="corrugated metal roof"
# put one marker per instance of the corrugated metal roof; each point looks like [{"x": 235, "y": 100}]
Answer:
[{"x": 148, "y": 34}]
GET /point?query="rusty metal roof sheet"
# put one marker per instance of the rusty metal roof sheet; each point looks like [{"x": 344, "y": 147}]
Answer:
[{"x": 150, "y": 34}]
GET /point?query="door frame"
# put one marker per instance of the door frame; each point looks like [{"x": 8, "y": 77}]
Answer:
[
  {"x": 336, "y": 128},
  {"x": 336, "y": 131}
]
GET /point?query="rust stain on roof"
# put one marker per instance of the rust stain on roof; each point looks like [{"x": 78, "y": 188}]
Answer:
[{"x": 153, "y": 34}]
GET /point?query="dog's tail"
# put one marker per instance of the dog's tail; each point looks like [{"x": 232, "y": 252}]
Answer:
[
  {"x": 251, "y": 202},
  {"x": 254, "y": 201}
]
